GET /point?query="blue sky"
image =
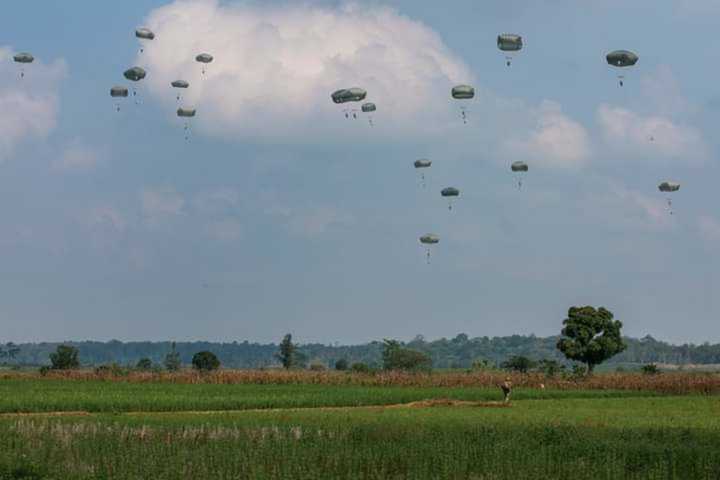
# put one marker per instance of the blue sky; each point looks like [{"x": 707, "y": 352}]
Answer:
[{"x": 281, "y": 216}]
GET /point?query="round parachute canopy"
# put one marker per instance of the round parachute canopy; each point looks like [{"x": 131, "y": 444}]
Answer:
[
  {"x": 135, "y": 74},
  {"x": 429, "y": 239},
  {"x": 519, "y": 167},
  {"x": 24, "y": 58},
  {"x": 180, "y": 84},
  {"x": 118, "y": 92},
  {"x": 186, "y": 112},
  {"x": 463, "y": 92},
  {"x": 509, "y": 42},
  {"x": 450, "y": 192},
  {"x": 622, "y": 58},
  {"x": 354, "y": 94},
  {"x": 422, "y": 163},
  {"x": 145, "y": 34},
  {"x": 204, "y": 58},
  {"x": 669, "y": 187},
  {"x": 368, "y": 107}
]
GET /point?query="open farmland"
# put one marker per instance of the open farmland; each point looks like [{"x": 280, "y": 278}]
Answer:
[{"x": 124, "y": 428}]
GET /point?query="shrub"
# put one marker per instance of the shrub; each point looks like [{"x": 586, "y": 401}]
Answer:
[
  {"x": 650, "y": 369},
  {"x": 551, "y": 368},
  {"x": 144, "y": 364},
  {"x": 341, "y": 365},
  {"x": 360, "y": 367},
  {"x": 396, "y": 357},
  {"x": 205, "y": 361},
  {"x": 317, "y": 366},
  {"x": 518, "y": 363},
  {"x": 64, "y": 358}
]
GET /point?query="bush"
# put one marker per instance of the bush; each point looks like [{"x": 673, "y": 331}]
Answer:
[
  {"x": 341, "y": 365},
  {"x": 144, "y": 364},
  {"x": 518, "y": 363},
  {"x": 172, "y": 359},
  {"x": 65, "y": 358},
  {"x": 551, "y": 368},
  {"x": 397, "y": 357},
  {"x": 481, "y": 364},
  {"x": 360, "y": 367},
  {"x": 205, "y": 361},
  {"x": 650, "y": 369},
  {"x": 112, "y": 369},
  {"x": 317, "y": 366}
]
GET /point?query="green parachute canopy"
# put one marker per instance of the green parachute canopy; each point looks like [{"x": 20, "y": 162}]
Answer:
[
  {"x": 186, "y": 112},
  {"x": 204, "y": 58},
  {"x": 180, "y": 84},
  {"x": 622, "y": 58},
  {"x": 463, "y": 92},
  {"x": 450, "y": 192},
  {"x": 135, "y": 74},
  {"x": 345, "y": 95},
  {"x": 669, "y": 187},
  {"x": 429, "y": 239},
  {"x": 145, "y": 34},
  {"x": 519, "y": 167},
  {"x": 422, "y": 163},
  {"x": 368, "y": 107},
  {"x": 509, "y": 42},
  {"x": 119, "y": 92},
  {"x": 24, "y": 58}
]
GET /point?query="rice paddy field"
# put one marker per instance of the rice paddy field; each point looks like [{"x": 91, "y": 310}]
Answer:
[{"x": 82, "y": 427}]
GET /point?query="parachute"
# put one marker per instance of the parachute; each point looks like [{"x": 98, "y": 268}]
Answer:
[
  {"x": 369, "y": 108},
  {"x": 135, "y": 74},
  {"x": 179, "y": 84},
  {"x": 621, "y": 59},
  {"x": 428, "y": 240},
  {"x": 117, "y": 93},
  {"x": 509, "y": 42},
  {"x": 347, "y": 95},
  {"x": 186, "y": 113},
  {"x": 204, "y": 58},
  {"x": 519, "y": 168},
  {"x": 450, "y": 193},
  {"x": 463, "y": 92},
  {"x": 23, "y": 59},
  {"x": 669, "y": 187},
  {"x": 144, "y": 35},
  {"x": 420, "y": 165}
]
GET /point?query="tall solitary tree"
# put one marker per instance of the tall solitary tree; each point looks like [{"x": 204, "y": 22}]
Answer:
[
  {"x": 172, "y": 359},
  {"x": 590, "y": 336},
  {"x": 287, "y": 353},
  {"x": 65, "y": 357}
]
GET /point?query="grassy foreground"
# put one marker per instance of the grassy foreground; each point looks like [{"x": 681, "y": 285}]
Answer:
[{"x": 664, "y": 437}]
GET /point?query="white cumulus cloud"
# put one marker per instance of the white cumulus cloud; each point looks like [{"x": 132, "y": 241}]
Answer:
[
  {"x": 652, "y": 136},
  {"x": 158, "y": 203},
  {"x": 556, "y": 140},
  {"x": 28, "y": 106},
  {"x": 77, "y": 156},
  {"x": 275, "y": 66}
]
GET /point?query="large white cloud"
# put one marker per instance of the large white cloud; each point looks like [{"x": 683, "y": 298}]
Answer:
[
  {"x": 556, "y": 140},
  {"x": 28, "y": 106},
  {"x": 275, "y": 67},
  {"x": 653, "y": 136}
]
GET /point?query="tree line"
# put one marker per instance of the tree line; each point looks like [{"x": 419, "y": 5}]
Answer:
[{"x": 460, "y": 351}]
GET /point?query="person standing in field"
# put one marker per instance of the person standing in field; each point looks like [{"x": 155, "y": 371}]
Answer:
[{"x": 506, "y": 388}]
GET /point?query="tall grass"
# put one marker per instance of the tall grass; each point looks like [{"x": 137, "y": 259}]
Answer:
[{"x": 672, "y": 383}]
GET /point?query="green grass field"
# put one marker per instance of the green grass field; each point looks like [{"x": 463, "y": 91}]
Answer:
[{"x": 171, "y": 431}]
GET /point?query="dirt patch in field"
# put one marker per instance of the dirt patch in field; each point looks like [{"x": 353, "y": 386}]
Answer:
[
  {"x": 46, "y": 414},
  {"x": 446, "y": 402}
]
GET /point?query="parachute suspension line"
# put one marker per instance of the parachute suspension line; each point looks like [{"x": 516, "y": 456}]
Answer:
[
  {"x": 422, "y": 178},
  {"x": 621, "y": 80},
  {"x": 463, "y": 114},
  {"x": 669, "y": 202},
  {"x": 519, "y": 183},
  {"x": 427, "y": 255},
  {"x": 508, "y": 60}
]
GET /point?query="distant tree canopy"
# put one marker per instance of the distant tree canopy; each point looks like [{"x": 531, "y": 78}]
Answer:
[
  {"x": 341, "y": 365},
  {"x": 590, "y": 336},
  {"x": 10, "y": 351},
  {"x": 205, "y": 361},
  {"x": 287, "y": 352},
  {"x": 65, "y": 357},
  {"x": 397, "y": 357}
]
